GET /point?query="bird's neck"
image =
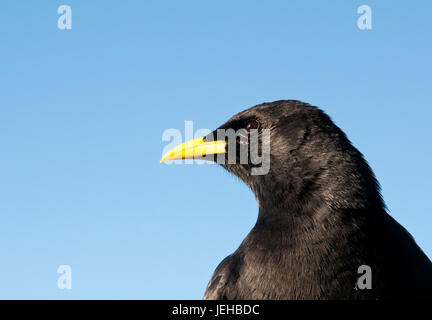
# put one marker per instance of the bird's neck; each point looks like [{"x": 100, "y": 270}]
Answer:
[{"x": 318, "y": 204}]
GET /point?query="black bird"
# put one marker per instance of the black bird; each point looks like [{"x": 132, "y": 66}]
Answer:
[{"x": 321, "y": 216}]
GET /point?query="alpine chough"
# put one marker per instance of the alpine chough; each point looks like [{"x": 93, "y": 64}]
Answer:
[{"x": 322, "y": 230}]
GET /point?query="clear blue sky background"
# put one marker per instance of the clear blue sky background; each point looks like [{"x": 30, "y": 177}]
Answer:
[{"x": 82, "y": 113}]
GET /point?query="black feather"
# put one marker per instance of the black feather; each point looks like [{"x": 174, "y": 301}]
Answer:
[{"x": 321, "y": 216}]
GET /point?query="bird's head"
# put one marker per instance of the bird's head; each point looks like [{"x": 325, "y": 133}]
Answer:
[{"x": 285, "y": 151}]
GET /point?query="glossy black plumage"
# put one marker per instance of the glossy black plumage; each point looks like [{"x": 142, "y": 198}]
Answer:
[{"x": 320, "y": 217}]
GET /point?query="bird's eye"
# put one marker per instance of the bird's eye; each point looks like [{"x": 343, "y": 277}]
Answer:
[{"x": 252, "y": 124}]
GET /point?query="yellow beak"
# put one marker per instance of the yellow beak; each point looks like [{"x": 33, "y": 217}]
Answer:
[{"x": 194, "y": 149}]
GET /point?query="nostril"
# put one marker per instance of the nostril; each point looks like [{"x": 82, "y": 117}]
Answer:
[{"x": 210, "y": 137}]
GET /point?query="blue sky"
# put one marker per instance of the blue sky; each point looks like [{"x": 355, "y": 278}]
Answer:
[{"x": 82, "y": 113}]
